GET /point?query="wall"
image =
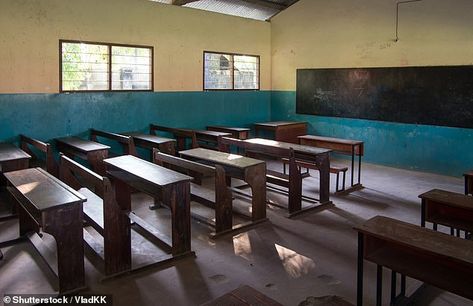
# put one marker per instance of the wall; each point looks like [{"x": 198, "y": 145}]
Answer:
[
  {"x": 29, "y": 57},
  {"x": 346, "y": 33}
]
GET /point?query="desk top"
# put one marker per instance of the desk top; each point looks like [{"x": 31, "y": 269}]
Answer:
[
  {"x": 449, "y": 198},
  {"x": 331, "y": 139},
  {"x": 221, "y": 158},
  {"x": 417, "y": 237},
  {"x": 469, "y": 173},
  {"x": 227, "y": 128},
  {"x": 43, "y": 190},
  {"x": 146, "y": 170},
  {"x": 286, "y": 145},
  {"x": 212, "y": 133},
  {"x": 151, "y": 138},
  {"x": 10, "y": 152},
  {"x": 279, "y": 123},
  {"x": 82, "y": 144}
]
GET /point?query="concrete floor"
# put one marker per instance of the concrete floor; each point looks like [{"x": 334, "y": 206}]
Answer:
[{"x": 287, "y": 259}]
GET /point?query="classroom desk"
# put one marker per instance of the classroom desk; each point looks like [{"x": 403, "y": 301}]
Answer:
[
  {"x": 468, "y": 182},
  {"x": 12, "y": 158},
  {"x": 451, "y": 209},
  {"x": 317, "y": 155},
  {"x": 250, "y": 170},
  {"x": 283, "y": 130},
  {"x": 48, "y": 204},
  {"x": 210, "y": 138},
  {"x": 88, "y": 150},
  {"x": 129, "y": 172},
  {"x": 147, "y": 141},
  {"x": 432, "y": 257},
  {"x": 237, "y": 132},
  {"x": 344, "y": 146}
]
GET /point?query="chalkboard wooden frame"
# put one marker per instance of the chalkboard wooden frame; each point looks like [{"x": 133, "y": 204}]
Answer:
[{"x": 431, "y": 95}]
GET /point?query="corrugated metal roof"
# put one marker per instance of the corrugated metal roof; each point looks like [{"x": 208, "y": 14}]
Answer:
[
  {"x": 254, "y": 9},
  {"x": 235, "y": 7}
]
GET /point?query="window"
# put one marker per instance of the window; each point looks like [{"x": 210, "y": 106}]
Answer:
[
  {"x": 223, "y": 71},
  {"x": 103, "y": 67}
]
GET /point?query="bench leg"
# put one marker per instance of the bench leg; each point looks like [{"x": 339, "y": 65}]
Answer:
[
  {"x": 177, "y": 196},
  {"x": 65, "y": 225},
  {"x": 393, "y": 286},
  {"x": 359, "y": 277},
  {"x": 256, "y": 178},
  {"x": 323, "y": 163},
  {"x": 223, "y": 202},
  {"x": 338, "y": 176},
  {"x": 295, "y": 188},
  {"x": 379, "y": 285}
]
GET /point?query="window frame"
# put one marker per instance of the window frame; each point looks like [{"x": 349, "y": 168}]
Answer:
[
  {"x": 233, "y": 72},
  {"x": 109, "y": 46}
]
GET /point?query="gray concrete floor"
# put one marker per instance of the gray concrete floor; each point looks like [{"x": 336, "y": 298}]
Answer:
[{"x": 287, "y": 259}]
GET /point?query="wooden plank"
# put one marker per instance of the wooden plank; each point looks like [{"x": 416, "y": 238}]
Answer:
[
  {"x": 145, "y": 170},
  {"x": 9, "y": 152},
  {"x": 82, "y": 145},
  {"x": 286, "y": 145},
  {"x": 274, "y": 124},
  {"x": 43, "y": 190},
  {"x": 449, "y": 198},
  {"x": 227, "y": 159}
]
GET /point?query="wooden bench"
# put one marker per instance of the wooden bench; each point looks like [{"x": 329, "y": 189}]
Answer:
[
  {"x": 220, "y": 198},
  {"x": 100, "y": 200},
  {"x": 209, "y": 139},
  {"x": 50, "y": 164},
  {"x": 126, "y": 142},
  {"x": 432, "y": 257},
  {"x": 333, "y": 169},
  {"x": 454, "y": 210},
  {"x": 293, "y": 180},
  {"x": 93, "y": 152},
  {"x": 339, "y": 145},
  {"x": 180, "y": 135},
  {"x": 468, "y": 182},
  {"x": 48, "y": 205},
  {"x": 128, "y": 173}
]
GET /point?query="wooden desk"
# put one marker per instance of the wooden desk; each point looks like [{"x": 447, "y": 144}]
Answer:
[
  {"x": 468, "y": 182},
  {"x": 128, "y": 172},
  {"x": 318, "y": 156},
  {"x": 239, "y": 133},
  {"x": 447, "y": 208},
  {"x": 147, "y": 141},
  {"x": 210, "y": 138},
  {"x": 47, "y": 203},
  {"x": 283, "y": 130},
  {"x": 344, "y": 146},
  {"x": 250, "y": 170},
  {"x": 91, "y": 151},
  {"x": 432, "y": 257},
  {"x": 243, "y": 296},
  {"x": 12, "y": 158}
]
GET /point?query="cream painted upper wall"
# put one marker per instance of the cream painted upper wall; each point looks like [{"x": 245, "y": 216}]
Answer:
[
  {"x": 361, "y": 33},
  {"x": 31, "y": 29}
]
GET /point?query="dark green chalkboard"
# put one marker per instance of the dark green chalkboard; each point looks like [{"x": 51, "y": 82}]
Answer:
[{"x": 437, "y": 95}]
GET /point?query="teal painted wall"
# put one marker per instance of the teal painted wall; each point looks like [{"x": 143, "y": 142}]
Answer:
[
  {"x": 47, "y": 116},
  {"x": 435, "y": 149}
]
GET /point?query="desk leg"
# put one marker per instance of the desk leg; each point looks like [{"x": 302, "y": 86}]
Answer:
[
  {"x": 295, "y": 187},
  {"x": 466, "y": 185},
  {"x": 323, "y": 163},
  {"x": 352, "y": 165},
  {"x": 359, "y": 167},
  {"x": 422, "y": 213},
  {"x": 177, "y": 197},
  {"x": 393, "y": 286},
  {"x": 117, "y": 230},
  {"x": 95, "y": 160},
  {"x": 379, "y": 285},
  {"x": 65, "y": 225},
  {"x": 359, "y": 284},
  {"x": 256, "y": 178},
  {"x": 223, "y": 202}
]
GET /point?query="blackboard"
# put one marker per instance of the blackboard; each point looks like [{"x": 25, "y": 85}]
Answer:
[{"x": 435, "y": 95}]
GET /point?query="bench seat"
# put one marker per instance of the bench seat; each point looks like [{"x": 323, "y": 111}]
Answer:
[{"x": 93, "y": 210}]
